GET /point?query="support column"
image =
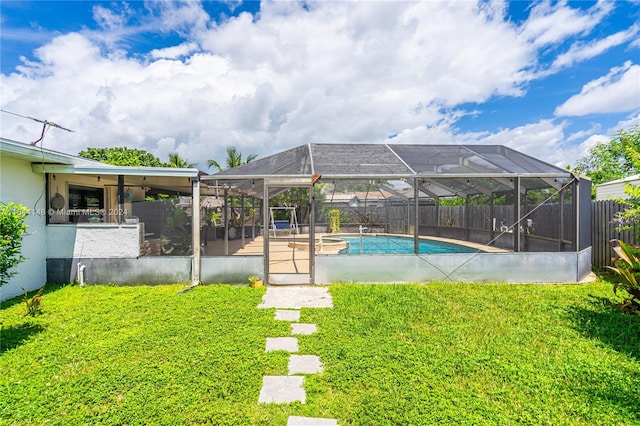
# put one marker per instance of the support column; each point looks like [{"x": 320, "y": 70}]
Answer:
[
  {"x": 467, "y": 217},
  {"x": 242, "y": 218},
  {"x": 265, "y": 230},
  {"x": 525, "y": 228},
  {"x": 253, "y": 219},
  {"x": 437, "y": 200},
  {"x": 120, "y": 198},
  {"x": 225, "y": 216},
  {"x": 416, "y": 219},
  {"x": 312, "y": 234},
  {"x": 195, "y": 231},
  {"x": 516, "y": 226},
  {"x": 561, "y": 230},
  {"x": 492, "y": 216},
  {"x": 576, "y": 214}
]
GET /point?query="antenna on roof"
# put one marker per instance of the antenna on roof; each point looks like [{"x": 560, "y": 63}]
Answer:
[{"x": 46, "y": 124}]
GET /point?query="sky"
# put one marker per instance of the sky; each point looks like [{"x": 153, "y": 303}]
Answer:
[{"x": 548, "y": 78}]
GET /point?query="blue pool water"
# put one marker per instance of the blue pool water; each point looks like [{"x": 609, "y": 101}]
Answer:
[{"x": 386, "y": 244}]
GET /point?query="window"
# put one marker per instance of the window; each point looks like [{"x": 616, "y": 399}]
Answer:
[
  {"x": 81, "y": 197},
  {"x": 86, "y": 204}
]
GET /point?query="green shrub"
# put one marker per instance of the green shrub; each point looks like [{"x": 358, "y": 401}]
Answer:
[
  {"x": 627, "y": 266},
  {"x": 33, "y": 304},
  {"x": 12, "y": 227},
  {"x": 334, "y": 220}
]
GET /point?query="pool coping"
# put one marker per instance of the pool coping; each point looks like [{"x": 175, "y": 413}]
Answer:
[{"x": 482, "y": 247}]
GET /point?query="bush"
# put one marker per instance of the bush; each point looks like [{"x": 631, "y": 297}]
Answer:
[
  {"x": 627, "y": 266},
  {"x": 12, "y": 227},
  {"x": 33, "y": 304},
  {"x": 334, "y": 220}
]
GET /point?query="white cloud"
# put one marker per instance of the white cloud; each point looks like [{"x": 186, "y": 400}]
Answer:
[
  {"x": 322, "y": 71},
  {"x": 551, "y": 23},
  {"x": 629, "y": 122},
  {"x": 110, "y": 19},
  {"x": 583, "y": 51},
  {"x": 543, "y": 140},
  {"x": 180, "y": 16},
  {"x": 618, "y": 91},
  {"x": 332, "y": 71},
  {"x": 174, "y": 52},
  {"x": 582, "y": 134},
  {"x": 582, "y": 150}
]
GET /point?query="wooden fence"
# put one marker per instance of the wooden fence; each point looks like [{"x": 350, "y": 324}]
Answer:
[
  {"x": 603, "y": 231},
  {"x": 548, "y": 221}
]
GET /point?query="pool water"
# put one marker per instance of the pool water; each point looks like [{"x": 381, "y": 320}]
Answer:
[{"x": 386, "y": 244}]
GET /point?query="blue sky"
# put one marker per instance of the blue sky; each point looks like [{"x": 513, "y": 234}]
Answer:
[{"x": 549, "y": 78}]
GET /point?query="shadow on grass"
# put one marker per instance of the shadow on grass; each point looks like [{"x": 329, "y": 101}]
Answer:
[
  {"x": 603, "y": 321},
  {"x": 13, "y": 336},
  {"x": 49, "y": 288}
]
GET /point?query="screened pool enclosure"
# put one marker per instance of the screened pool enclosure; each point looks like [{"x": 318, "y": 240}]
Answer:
[{"x": 304, "y": 216}]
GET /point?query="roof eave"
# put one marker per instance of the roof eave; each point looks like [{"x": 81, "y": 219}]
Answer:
[{"x": 107, "y": 169}]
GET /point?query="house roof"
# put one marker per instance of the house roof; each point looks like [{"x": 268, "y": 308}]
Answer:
[
  {"x": 49, "y": 161},
  {"x": 628, "y": 179},
  {"x": 36, "y": 154}
]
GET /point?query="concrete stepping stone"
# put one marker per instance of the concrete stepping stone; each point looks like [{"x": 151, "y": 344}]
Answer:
[
  {"x": 298, "y": 328},
  {"x": 287, "y": 315},
  {"x": 304, "y": 364},
  {"x": 310, "y": 421},
  {"x": 282, "y": 389},
  {"x": 289, "y": 344},
  {"x": 296, "y": 297}
]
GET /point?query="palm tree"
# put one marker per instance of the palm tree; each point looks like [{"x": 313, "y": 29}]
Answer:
[
  {"x": 234, "y": 159},
  {"x": 178, "y": 162}
]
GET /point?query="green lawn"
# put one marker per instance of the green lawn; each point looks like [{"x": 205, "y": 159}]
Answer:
[{"x": 393, "y": 354}]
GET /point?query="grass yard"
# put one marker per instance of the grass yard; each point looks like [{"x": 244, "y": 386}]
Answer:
[{"x": 393, "y": 354}]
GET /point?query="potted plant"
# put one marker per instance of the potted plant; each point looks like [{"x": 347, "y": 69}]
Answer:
[{"x": 255, "y": 282}]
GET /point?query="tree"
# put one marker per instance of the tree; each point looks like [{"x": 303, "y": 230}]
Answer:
[
  {"x": 234, "y": 159},
  {"x": 12, "y": 227},
  {"x": 616, "y": 159},
  {"x": 122, "y": 156},
  {"x": 178, "y": 162}
]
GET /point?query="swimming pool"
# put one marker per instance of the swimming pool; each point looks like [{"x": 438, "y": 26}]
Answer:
[{"x": 391, "y": 244}]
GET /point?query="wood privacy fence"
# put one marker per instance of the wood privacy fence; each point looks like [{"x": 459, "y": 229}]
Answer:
[
  {"x": 548, "y": 221},
  {"x": 603, "y": 231}
]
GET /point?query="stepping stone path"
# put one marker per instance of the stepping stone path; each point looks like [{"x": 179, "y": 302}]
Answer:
[{"x": 285, "y": 389}]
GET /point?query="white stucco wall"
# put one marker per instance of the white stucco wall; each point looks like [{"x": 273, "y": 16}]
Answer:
[
  {"x": 20, "y": 185},
  {"x": 100, "y": 240},
  {"x": 615, "y": 189}
]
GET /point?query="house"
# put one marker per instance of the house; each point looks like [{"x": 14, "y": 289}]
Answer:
[
  {"x": 616, "y": 188},
  {"x": 88, "y": 220},
  {"x": 99, "y": 223}
]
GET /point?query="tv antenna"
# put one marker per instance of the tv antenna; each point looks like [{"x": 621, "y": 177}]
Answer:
[{"x": 45, "y": 125}]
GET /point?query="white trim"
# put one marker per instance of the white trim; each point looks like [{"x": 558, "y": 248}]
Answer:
[{"x": 106, "y": 169}]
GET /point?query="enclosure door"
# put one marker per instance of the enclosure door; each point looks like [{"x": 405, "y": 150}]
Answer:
[{"x": 288, "y": 244}]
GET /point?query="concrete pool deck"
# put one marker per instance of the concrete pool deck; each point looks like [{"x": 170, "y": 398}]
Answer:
[
  {"x": 280, "y": 247},
  {"x": 285, "y": 260}
]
